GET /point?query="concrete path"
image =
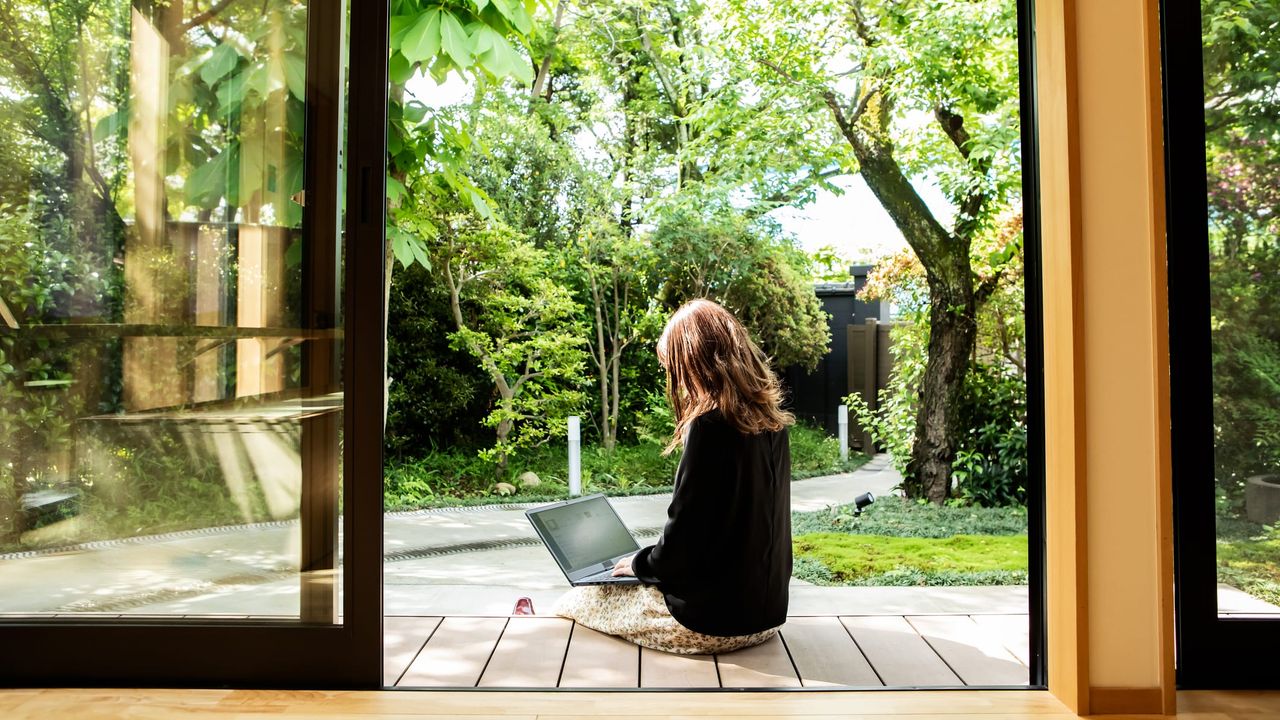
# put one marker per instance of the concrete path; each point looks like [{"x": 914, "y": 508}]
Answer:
[{"x": 439, "y": 562}]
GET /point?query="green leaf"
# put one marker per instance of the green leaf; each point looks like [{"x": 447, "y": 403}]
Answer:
[
  {"x": 400, "y": 25},
  {"x": 414, "y": 112},
  {"x": 516, "y": 13},
  {"x": 455, "y": 41},
  {"x": 422, "y": 41},
  {"x": 395, "y": 190},
  {"x": 111, "y": 124},
  {"x": 231, "y": 95},
  {"x": 221, "y": 61},
  {"x": 205, "y": 184},
  {"x": 295, "y": 75},
  {"x": 482, "y": 207},
  {"x": 497, "y": 55},
  {"x": 399, "y": 69}
]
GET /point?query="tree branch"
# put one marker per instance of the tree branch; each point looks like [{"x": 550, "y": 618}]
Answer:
[
  {"x": 972, "y": 204},
  {"x": 200, "y": 19}
]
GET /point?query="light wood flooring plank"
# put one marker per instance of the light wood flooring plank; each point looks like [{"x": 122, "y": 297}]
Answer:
[
  {"x": 763, "y": 665},
  {"x": 825, "y": 655},
  {"x": 1012, "y": 630},
  {"x": 598, "y": 660},
  {"x": 261, "y": 704},
  {"x": 529, "y": 654},
  {"x": 900, "y": 656},
  {"x": 456, "y": 654},
  {"x": 978, "y": 657},
  {"x": 667, "y": 670},
  {"x": 402, "y": 638}
]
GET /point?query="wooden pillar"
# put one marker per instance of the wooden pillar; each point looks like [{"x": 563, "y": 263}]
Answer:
[{"x": 1109, "y": 609}]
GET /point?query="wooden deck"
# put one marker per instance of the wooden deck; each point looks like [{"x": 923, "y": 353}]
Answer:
[{"x": 860, "y": 651}]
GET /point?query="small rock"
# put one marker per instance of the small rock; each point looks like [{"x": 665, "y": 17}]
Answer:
[
  {"x": 529, "y": 479},
  {"x": 503, "y": 488}
]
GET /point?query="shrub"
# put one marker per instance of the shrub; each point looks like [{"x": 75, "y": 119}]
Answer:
[
  {"x": 990, "y": 468},
  {"x": 438, "y": 394},
  {"x": 901, "y": 517}
]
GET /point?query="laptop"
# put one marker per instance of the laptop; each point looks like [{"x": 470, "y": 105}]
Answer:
[{"x": 586, "y": 537}]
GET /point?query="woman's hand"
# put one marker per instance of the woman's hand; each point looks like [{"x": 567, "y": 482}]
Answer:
[{"x": 623, "y": 567}]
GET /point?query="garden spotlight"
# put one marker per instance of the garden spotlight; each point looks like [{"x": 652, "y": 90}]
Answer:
[{"x": 861, "y": 502}]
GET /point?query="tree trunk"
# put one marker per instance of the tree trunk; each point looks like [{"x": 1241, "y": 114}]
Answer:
[
  {"x": 952, "y": 337},
  {"x": 952, "y": 303}
]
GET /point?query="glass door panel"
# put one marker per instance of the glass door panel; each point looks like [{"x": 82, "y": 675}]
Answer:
[
  {"x": 158, "y": 378},
  {"x": 174, "y": 381},
  {"x": 1222, "y": 105}
]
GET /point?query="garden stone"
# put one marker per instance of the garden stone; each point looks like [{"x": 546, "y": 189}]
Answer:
[
  {"x": 1262, "y": 499},
  {"x": 503, "y": 488},
  {"x": 529, "y": 479}
]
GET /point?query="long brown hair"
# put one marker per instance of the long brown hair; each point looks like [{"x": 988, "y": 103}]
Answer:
[{"x": 712, "y": 363}]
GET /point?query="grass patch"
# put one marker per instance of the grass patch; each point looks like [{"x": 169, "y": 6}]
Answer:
[
  {"x": 457, "y": 477},
  {"x": 899, "y": 542},
  {"x": 886, "y": 560},
  {"x": 1248, "y": 557}
]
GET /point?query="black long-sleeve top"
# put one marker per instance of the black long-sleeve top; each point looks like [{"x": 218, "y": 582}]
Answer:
[{"x": 723, "y": 561}]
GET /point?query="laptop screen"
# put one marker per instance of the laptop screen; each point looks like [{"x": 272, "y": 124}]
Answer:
[{"x": 581, "y": 534}]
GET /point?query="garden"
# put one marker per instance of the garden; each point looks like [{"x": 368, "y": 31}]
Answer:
[
  {"x": 562, "y": 176},
  {"x": 1242, "y": 119}
]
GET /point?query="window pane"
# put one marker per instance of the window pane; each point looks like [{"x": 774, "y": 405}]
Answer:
[
  {"x": 169, "y": 415},
  {"x": 1242, "y": 108}
]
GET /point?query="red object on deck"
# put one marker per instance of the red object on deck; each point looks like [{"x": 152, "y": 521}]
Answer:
[{"x": 524, "y": 606}]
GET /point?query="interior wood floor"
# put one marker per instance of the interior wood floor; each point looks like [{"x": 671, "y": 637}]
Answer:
[
  {"x": 859, "y": 651},
  {"x": 479, "y": 705}
]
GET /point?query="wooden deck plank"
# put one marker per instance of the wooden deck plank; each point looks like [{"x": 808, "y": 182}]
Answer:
[
  {"x": 312, "y": 704},
  {"x": 402, "y": 638},
  {"x": 976, "y": 656},
  {"x": 598, "y": 660},
  {"x": 763, "y": 665},
  {"x": 667, "y": 670},
  {"x": 529, "y": 654},
  {"x": 825, "y": 655},
  {"x": 1012, "y": 630},
  {"x": 456, "y": 654},
  {"x": 900, "y": 656}
]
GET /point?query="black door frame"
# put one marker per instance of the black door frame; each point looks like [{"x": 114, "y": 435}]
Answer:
[
  {"x": 204, "y": 653},
  {"x": 209, "y": 653},
  {"x": 1211, "y": 652}
]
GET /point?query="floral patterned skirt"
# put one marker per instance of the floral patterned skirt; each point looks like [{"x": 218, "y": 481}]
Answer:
[{"x": 639, "y": 613}]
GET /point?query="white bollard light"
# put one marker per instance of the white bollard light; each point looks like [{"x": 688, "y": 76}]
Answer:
[
  {"x": 842, "y": 415},
  {"x": 575, "y": 456}
]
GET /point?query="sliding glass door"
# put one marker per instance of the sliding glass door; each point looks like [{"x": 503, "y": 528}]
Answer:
[
  {"x": 1222, "y": 91},
  {"x": 179, "y": 304}
]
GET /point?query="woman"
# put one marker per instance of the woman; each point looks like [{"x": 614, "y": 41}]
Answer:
[{"x": 717, "y": 578}]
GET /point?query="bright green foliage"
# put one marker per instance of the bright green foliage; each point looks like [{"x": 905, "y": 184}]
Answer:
[
  {"x": 515, "y": 320},
  {"x": 897, "y": 516},
  {"x": 854, "y": 558},
  {"x": 762, "y": 278},
  {"x": 439, "y": 395},
  {"x": 1242, "y": 113},
  {"x": 452, "y": 476},
  {"x": 1249, "y": 563},
  {"x": 897, "y": 541}
]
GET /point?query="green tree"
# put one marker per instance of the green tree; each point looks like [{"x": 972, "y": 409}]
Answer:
[
  {"x": 1242, "y": 128},
  {"x": 757, "y": 275},
  {"x": 909, "y": 90},
  {"x": 516, "y": 321}
]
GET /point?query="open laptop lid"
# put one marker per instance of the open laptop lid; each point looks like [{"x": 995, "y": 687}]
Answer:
[{"x": 585, "y": 535}]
